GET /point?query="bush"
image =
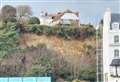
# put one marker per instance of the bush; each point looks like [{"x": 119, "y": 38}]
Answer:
[
  {"x": 88, "y": 74},
  {"x": 12, "y": 19},
  {"x": 8, "y": 39},
  {"x": 38, "y": 71},
  {"x": 67, "y": 33},
  {"x": 9, "y": 70},
  {"x": 33, "y": 20}
]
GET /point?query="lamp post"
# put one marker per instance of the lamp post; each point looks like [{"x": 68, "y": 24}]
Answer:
[
  {"x": 116, "y": 71},
  {"x": 97, "y": 54}
]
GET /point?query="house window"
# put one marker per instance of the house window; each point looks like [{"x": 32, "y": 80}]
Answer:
[
  {"x": 118, "y": 71},
  {"x": 112, "y": 71},
  {"x": 115, "y": 26},
  {"x": 119, "y": 26},
  {"x": 116, "y": 53},
  {"x": 116, "y": 39}
]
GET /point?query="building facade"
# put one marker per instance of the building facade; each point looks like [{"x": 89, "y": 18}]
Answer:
[{"x": 111, "y": 47}]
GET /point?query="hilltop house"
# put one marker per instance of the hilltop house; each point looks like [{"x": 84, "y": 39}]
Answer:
[
  {"x": 64, "y": 18},
  {"x": 45, "y": 19},
  {"x": 111, "y": 47}
]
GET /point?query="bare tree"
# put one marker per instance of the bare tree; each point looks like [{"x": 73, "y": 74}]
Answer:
[
  {"x": 23, "y": 10},
  {"x": 23, "y": 13}
]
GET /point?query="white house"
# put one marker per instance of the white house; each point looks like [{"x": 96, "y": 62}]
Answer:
[
  {"x": 65, "y": 18},
  {"x": 45, "y": 19},
  {"x": 111, "y": 47},
  {"x": 70, "y": 18}
]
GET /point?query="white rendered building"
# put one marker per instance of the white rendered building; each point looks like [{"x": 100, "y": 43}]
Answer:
[
  {"x": 45, "y": 19},
  {"x": 111, "y": 47},
  {"x": 64, "y": 18}
]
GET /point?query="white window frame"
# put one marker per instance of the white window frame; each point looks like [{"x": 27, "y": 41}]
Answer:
[
  {"x": 115, "y": 26},
  {"x": 118, "y": 69},
  {"x": 112, "y": 71}
]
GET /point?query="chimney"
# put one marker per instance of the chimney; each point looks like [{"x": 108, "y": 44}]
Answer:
[
  {"x": 107, "y": 17},
  {"x": 77, "y": 13}
]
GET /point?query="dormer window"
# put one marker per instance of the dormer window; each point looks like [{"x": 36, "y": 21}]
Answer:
[{"x": 115, "y": 26}]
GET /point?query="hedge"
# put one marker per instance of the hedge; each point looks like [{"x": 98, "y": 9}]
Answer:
[{"x": 65, "y": 32}]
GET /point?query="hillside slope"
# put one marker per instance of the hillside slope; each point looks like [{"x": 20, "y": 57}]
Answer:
[
  {"x": 60, "y": 45},
  {"x": 57, "y": 57}
]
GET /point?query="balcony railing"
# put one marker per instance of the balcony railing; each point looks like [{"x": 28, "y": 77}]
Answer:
[
  {"x": 115, "y": 44},
  {"x": 115, "y": 76}
]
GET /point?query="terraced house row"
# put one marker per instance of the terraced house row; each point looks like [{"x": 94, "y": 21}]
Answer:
[{"x": 111, "y": 47}]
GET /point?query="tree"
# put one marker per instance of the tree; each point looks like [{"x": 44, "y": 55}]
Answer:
[
  {"x": 34, "y": 20},
  {"x": 23, "y": 13},
  {"x": 8, "y": 13},
  {"x": 23, "y": 10}
]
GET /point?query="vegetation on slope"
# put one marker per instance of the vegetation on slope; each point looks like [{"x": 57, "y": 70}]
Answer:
[
  {"x": 60, "y": 31},
  {"x": 8, "y": 39},
  {"x": 29, "y": 49},
  {"x": 77, "y": 55}
]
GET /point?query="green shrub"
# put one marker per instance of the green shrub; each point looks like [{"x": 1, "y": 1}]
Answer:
[
  {"x": 67, "y": 33},
  {"x": 88, "y": 74},
  {"x": 9, "y": 70},
  {"x": 33, "y": 20},
  {"x": 38, "y": 71},
  {"x": 12, "y": 19},
  {"x": 8, "y": 39}
]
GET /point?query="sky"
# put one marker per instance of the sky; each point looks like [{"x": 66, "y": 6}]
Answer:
[{"x": 91, "y": 11}]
